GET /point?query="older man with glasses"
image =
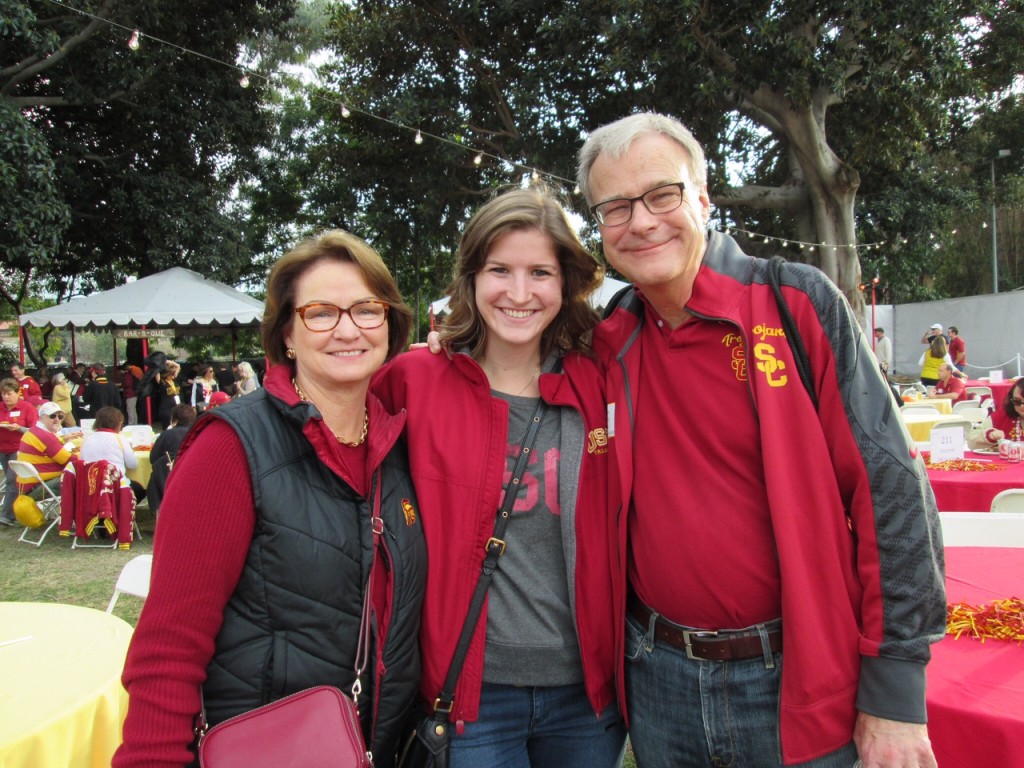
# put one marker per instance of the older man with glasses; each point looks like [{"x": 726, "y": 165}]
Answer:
[
  {"x": 41, "y": 447},
  {"x": 783, "y": 552}
]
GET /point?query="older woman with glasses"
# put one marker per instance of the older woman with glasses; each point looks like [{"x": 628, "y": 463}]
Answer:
[
  {"x": 1006, "y": 422},
  {"x": 258, "y": 592}
]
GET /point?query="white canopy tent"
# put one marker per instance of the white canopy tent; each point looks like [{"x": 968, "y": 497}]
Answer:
[
  {"x": 176, "y": 298},
  {"x": 600, "y": 298}
]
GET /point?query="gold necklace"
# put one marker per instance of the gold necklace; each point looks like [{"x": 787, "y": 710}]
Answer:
[{"x": 351, "y": 444}]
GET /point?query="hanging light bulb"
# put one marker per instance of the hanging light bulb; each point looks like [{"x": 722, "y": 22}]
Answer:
[
  {"x": 345, "y": 112},
  {"x": 244, "y": 80},
  {"x": 534, "y": 176},
  {"x": 133, "y": 41},
  {"x": 419, "y": 137},
  {"x": 478, "y": 159},
  {"x": 576, "y": 189}
]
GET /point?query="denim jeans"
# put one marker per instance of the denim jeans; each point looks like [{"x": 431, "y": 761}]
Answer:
[
  {"x": 539, "y": 727},
  {"x": 11, "y": 493},
  {"x": 688, "y": 712}
]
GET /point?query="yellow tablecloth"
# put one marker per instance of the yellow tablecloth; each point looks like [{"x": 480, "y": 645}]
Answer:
[
  {"x": 920, "y": 424},
  {"x": 141, "y": 473},
  {"x": 61, "y": 700},
  {"x": 942, "y": 406}
]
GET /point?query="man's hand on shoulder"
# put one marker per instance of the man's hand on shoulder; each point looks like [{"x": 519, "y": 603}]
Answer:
[{"x": 891, "y": 744}]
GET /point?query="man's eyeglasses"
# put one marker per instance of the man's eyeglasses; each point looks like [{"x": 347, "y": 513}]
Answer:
[
  {"x": 619, "y": 210},
  {"x": 57, "y": 416},
  {"x": 320, "y": 316},
  {"x": 1017, "y": 402}
]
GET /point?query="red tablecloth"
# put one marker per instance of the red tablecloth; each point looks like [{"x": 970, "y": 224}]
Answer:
[
  {"x": 999, "y": 390},
  {"x": 974, "y": 491},
  {"x": 976, "y": 690}
]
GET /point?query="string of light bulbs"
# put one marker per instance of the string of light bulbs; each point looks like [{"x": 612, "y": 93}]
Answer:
[
  {"x": 788, "y": 241},
  {"x": 136, "y": 37},
  {"x": 346, "y": 108}
]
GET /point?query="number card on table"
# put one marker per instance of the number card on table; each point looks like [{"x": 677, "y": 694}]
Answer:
[{"x": 946, "y": 443}]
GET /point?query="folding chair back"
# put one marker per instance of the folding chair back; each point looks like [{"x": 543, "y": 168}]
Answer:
[
  {"x": 49, "y": 506},
  {"x": 134, "y": 579}
]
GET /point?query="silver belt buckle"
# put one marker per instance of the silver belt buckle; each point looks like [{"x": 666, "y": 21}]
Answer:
[{"x": 687, "y": 634}]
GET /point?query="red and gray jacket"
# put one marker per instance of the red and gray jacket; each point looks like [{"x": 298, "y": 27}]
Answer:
[
  {"x": 457, "y": 434},
  {"x": 855, "y": 522}
]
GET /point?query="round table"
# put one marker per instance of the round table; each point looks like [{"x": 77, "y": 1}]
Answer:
[
  {"x": 61, "y": 701},
  {"x": 920, "y": 424}
]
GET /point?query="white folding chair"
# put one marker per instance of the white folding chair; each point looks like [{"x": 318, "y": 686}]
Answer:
[
  {"x": 931, "y": 410},
  {"x": 49, "y": 506},
  {"x": 981, "y": 529},
  {"x": 134, "y": 579},
  {"x": 970, "y": 410},
  {"x": 964, "y": 425},
  {"x": 980, "y": 392},
  {"x": 1010, "y": 500}
]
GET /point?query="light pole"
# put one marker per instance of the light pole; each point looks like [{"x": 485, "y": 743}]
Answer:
[{"x": 995, "y": 246}]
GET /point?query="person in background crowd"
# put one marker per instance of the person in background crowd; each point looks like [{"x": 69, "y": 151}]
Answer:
[
  {"x": 45, "y": 384},
  {"x": 217, "y": 399},
  {"x": 793, "y": 625},
  {"x": 29, "y": 387},
  {"x": 936, "y": 354},
  {"x": 165, "y": 451},
  {"x": 226, "y": 378},
  {"x": 169, "y": 391},
  {"x": 41, "y": 448},
  {"x": 78, "y": 382},
  {"x": 949, "y": 387},
  {"x": 101, "y": 392},
  {"x": 130, "y": 377},
  {"x": 266, "y": 600},
  {"x": 17, "y": 416},
  {"x": 248, "y": 382},
  {"x": 518, "y": 309},
  {"x": 1006, "y": 422},
  {"x": 106, "y": 443},
  {"x": 883, "y": 351},
  {"x": 932, "y": 332},
  {"x": 957, "y": 348},
  {"x": 202, "y": 387},
  {"x": 62, "y": 397}
]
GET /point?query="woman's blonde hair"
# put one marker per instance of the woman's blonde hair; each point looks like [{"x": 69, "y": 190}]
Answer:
[
  {"x": 333, "y": 245},
  {"x": 523, "y": 209}
]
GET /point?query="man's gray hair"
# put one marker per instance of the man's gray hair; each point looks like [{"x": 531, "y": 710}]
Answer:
[{"x": 615, "y": 139}]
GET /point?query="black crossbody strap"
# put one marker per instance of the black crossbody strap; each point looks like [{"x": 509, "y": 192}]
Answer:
[
  {"x": 494, "y": 550},
  {"x": 796, "y": 343}
]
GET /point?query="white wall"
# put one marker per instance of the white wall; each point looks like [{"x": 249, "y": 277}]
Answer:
[{"x": 992, "y": 325}]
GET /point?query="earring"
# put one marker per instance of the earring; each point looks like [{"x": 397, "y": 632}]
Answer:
[{"x": 289, "y": 353}]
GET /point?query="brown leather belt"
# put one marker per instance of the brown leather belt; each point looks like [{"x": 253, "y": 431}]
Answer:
[{"x": 724, "y": 645}]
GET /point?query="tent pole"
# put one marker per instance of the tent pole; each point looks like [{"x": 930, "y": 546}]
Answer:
[
  {"x": 21, "y": 346},
  {"x": 74, "y": 349},
  {"x": 149, "y": 400}
]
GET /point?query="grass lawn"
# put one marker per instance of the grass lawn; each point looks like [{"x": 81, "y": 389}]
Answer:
[{"x": 55, "y": 573}]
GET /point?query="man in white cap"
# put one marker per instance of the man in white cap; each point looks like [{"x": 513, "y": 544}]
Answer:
[
  {"x": 932, "y": 332},
  {"x": 41, "y": 447}
]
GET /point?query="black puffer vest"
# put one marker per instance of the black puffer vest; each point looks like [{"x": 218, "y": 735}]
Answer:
[{"x": 293, "y": 619}]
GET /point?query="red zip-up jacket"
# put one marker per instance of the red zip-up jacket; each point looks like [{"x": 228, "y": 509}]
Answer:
[
  {"x": 854, "y": 519},
  {"x": 457, "y": 435}
]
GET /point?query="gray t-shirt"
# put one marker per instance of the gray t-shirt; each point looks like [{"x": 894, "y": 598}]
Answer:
[{"x": 531, "y": 638}]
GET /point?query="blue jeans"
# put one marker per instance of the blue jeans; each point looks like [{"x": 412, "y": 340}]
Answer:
[
  {"x": 688, "y": 712},
  {"x": 11, "y": 493},
  {"x": 539, "y": 727}
]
